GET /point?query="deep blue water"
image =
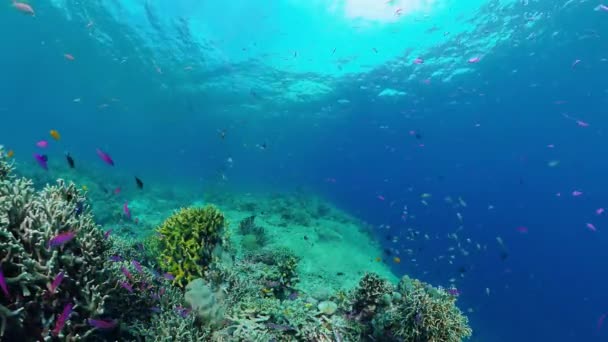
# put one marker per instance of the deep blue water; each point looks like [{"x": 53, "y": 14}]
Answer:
[{"x": 485, "y": 126}]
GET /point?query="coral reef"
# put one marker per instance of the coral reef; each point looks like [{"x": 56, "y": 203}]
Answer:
[
  {"x": 253, "y": 236},
  {"x": 52, "y": 259},
  {"x": 369, "y": 296},
  {"x": 170, "y": 322},
  {"x": 280, "y": 274},
  {"x": 205, "y": 303},
  {"x": 64, "y": 278},
  {"x": 67, "y": 279},
  {"x": 422, "y": 313},
  {"x": 187, "y": 241}
]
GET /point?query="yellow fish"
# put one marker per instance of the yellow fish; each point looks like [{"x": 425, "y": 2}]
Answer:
[
  {"x": 55, "y": 134},
  {"x": 10, "y": 154},
  {"x": 85, "y": 188}
]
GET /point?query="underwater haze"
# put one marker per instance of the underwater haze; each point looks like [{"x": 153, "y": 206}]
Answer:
[{"x": 469, "y": 134}]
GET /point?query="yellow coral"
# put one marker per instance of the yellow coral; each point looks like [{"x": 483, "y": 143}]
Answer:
[{"x": 187, "y": 240}]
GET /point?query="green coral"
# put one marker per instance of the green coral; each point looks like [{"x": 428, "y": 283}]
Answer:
[
  {"x": 187, "y": 241},
  {"x": 422, "y": 313}
]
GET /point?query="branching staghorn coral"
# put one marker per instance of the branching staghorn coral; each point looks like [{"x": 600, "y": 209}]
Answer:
[
  {"x": 422, "y": 313},
  {"x": 170, "y": 321},
  {"x": 368, "y": 296},
  {"x": 51, "y": 255}
]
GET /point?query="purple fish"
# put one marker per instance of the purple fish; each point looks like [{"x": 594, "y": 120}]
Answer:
[
  {"x": 169, "y": 276},
  {"x": 56, "y": 282},
  {"x": 453, "y": 292},
  {"x": 61, "y": 319},
  {"x": 155, "y": 309},
  {"x": 126, "y": 210},
  {"x": 3, "y": 284},
  {"x": 126, "y": 272},
  {"x": 116, "y": 258},
  {"x": 182, "y": 311},
  {"x": 137, "y": 266},
  {"x": 127, "y": 286},
  {"x": 42, "y": 160},
  {"x": 106, "y": 235},
  {"x": 102, "y": 324},
  {"x": 61, "y": 239},
  {"x": 105, "y": 157}
]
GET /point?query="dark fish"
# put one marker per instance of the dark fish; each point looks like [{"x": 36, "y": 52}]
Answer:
[
  {"x": 388, "y": 251},
  {"x": 504, "y": 255},
  {"x": 139, "y": 183},
  {"x": 79, "y": 208},
  {"x": 70, "y": 160},
  {"x": 418, "y": 136}
]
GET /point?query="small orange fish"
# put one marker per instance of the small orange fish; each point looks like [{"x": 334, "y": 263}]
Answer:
[
  {"x": 397, "y": 260},
  {"x": 10, "y": 154},
  {"x": 378, "y": 259},
  {"x": 55, "y": 134}
]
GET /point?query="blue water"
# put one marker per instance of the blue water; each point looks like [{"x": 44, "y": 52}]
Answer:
[{"x": 154, "y": 82}]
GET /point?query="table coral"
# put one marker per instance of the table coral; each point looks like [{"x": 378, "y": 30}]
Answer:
[{"x": 187, "y": 241}]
